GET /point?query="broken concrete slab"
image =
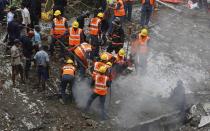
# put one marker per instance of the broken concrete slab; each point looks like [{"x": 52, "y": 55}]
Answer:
[
  {"x": 206, "y": 107},
  {"x": 204, "y": 121}
]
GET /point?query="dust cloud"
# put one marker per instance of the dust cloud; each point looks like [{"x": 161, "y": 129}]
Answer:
[
  {"x": 142, "y": 95},
  {"x": 82, "y": 92}
]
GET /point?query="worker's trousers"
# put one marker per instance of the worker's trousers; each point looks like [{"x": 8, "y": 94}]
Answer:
[
  {"x": 95, "y": 44},
  {"x": 81, "y": 68},
  {"x": 111, "y": 18},
  {"x": 102, "y": 99},
  {"x": 128, "y": 11},
  {"x": 140, "y": 61},
  {"x": 27, "y": 67},
  {"x": 203, "y": 4},
  {"x": 55, "y": 43},
  {"x": 146, "y": 13},
  {"x": 65, "y": 80}
]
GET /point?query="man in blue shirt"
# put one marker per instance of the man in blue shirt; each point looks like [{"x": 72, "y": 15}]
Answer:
[{"x": 42, "y": 63}]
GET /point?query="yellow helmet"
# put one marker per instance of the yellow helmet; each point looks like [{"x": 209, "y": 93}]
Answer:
[
  {"x": 144, "y": 32},
  {"x": 69, "y": 61},
  {"x": 102, "y": 69},
  {"x": 109, "y": 63},
  {"x": 57, "y": 12},
  {"x": 75, "y": 24},
  {"x": 103, "y": 56},
  {"x": 101, "y": 15},
  {"x": 121, "y": 52}
]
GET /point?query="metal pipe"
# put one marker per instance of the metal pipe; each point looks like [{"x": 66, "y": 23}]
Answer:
[{"x": 169, "y": 6}]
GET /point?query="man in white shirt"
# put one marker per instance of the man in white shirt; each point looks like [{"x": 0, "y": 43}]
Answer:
[
  {"x": 10, "y": 17},
  {"x": 25, "y": 15},
  {"x": 10, "y": 14}
]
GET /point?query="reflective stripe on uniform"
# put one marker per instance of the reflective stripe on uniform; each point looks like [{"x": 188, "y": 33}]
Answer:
[
  {"x": 74, "y": 37},
  {"x": 99, "y": 83},
  {"x": 94, "y": 26}
]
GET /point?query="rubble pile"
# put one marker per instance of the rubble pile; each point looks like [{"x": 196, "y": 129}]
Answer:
[{"x": 23, "y": 108}]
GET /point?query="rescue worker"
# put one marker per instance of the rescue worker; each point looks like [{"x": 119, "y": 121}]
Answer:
[
  {"x": 120, "y": 63},
  {"x": 128, "y": 9},
  {"x": 116, "y": 37},
  {"x": 119, "y": 10},
  {"x": 146, "y": 12},
  {"x": 59, "y": 27},
  {"x": 95, "y": 34},
  {"x": 106, "y": 59},
  {"x": 98, "y": 64},
  {"x": 107, "y": 56},
  {"x": 76, "y": 35},
  {"x": 178, "y": 98},
  {"x": 82, "y": 54},
  {"x": 109, "y": 72},
  {"x": 67, "y": 77},
  {"x": 139, "y": 49},
  {"x": 100, "y": 84}
]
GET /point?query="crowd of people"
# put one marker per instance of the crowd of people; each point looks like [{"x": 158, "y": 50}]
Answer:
[{"x": 99, "y": 53}]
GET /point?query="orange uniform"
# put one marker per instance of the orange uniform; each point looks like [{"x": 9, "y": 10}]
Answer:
[
  {"x": 140, "y": 45},
  {"x": 121, "y": 11},
  {"x": 143, "y": 44},
  {"x": 74, "y": 36},
  {"x": 152, "y": 2},
  {"x": 100, "y": 84},
  {"x": 97, "y": 66},
  {"x": 94, "y": 26},
  {"x": 68, "y": 70},
  {"x": 120, "y": 60},
  {"x": 81, "y": 50},
  {"x": 59, "y": 28},
  {"x": 109, "y": 56}
]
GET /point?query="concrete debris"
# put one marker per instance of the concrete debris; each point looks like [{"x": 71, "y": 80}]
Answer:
[
  {"x": 198, "y": 115},
  {"x": 85, "y": 116},
  {"x": 92, "y": 123},
  {"x": 193, "y": 109},
  {"x": 192, "y": 5},
  {"x": 117, "y": 102},
  {"x": 204, "y": 121},
  {"x": 206, "y": 107}
]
